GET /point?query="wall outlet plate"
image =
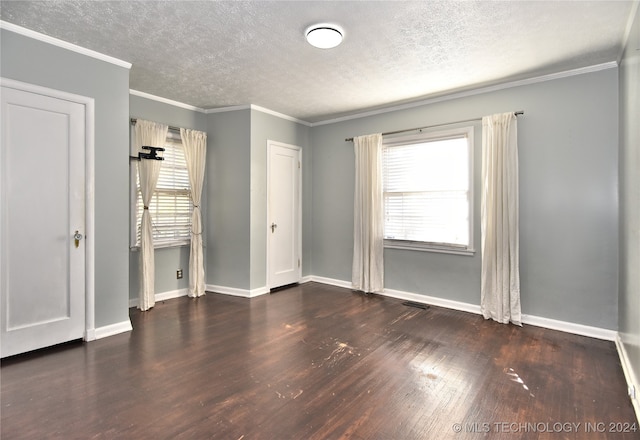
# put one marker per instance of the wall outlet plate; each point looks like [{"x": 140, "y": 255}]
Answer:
[{"x": 179, "y": 274}]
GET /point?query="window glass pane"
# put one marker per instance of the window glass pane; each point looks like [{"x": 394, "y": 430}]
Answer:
[
  {"x": 426, "y": 191},
  {"x": 170, "y": 206}
]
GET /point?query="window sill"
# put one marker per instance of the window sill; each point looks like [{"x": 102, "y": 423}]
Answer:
[{"x": 428, "y": 247}]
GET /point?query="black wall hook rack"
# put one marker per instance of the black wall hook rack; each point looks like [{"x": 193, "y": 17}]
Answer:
[{"x": 152, "y": 154}]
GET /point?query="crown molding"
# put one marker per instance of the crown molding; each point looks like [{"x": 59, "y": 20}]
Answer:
[
  {"x": 219, "y": 109},
  {"x": 472, "y": 92},
  {"x": 280, "y": 115},
  {"x": 62, "y": 44},
  {"x": 231, "y": 108},
  {"x": 166, "y": 101},
  {"x": 627, "y": 29}
]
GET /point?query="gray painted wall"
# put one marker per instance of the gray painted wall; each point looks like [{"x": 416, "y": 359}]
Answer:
[
  {"x": 268, "y": 127},
  {"x": 629, "y": 302},
  {"x": 569, "y": 185},
  {"x": 31, "y": 61},
  {"x": 568, "y": 148},
  {"x": 228, "y": 175},
  {"x": 167, "y": 260}
]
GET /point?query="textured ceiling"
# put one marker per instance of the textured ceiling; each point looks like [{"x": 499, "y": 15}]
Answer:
[{"x": 213, "y": 54}]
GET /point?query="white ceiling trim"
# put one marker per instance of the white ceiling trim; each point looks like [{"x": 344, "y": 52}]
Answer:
[
  {"x": 166, "y": 101},
  {"x": 627, "y": 29},
  {"x": 219, "y": 109},
  {"x": 478, "y": 91},
  {"x": 280, "y": 115},
  {"x": 231, "y": 108},
  {"x": 257, "y": 108},
  {"x": 63, "y": 44}
]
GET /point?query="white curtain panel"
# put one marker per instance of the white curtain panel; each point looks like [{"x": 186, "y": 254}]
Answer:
[
  {"x": 195, "y": 152},
  {"x": 368, "y": 215},
  {"x": 152, "y": 134},
  {"x": 500, "y": 277}
]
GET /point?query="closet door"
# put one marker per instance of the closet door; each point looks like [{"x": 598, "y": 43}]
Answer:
[{"x": 42, "y": 186}]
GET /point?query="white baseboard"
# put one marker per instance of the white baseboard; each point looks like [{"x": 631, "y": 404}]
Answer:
[
  {"x": 162, "y": 296},
  {"x": 568, "y": 327},
  {"x": 432, "y": 300},
  {"x": 90, "y": 335},
  {"x": 629, "y": 374},
  {"x": 233, "y": 291},
  {"x": 329, "y": 281},
  {"x": 113, "y": 329}
]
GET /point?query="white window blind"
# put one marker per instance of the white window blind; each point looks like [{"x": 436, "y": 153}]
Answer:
[
  {"x": 170, "y": 206},
  {"x": 427, "y": 193}
]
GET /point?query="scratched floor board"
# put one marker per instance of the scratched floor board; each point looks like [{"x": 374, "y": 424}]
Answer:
[{"x": 316, "y": 362}]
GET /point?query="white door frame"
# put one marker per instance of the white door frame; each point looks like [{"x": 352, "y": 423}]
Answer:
[
  {"x": 89, "y": 105},
  {"x": 271, "y": 143}
]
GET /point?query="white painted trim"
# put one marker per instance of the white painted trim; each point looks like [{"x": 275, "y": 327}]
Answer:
[
  {"x": 89, "y": 335},
  {"x": 232, "y": 108},
  {"x": 233, "y": 291},
  {"x": 113, "y": 329},
  {"x": 472, "y": 92},
  {"x": 89, "y": 220},
  {"x": 280, "y": 115},
  {"x": 63, "y": 44},
  {"x": 432, "y": 300},
  {"x": 162, "y": 296},
  {"x": 166, "y": 101},
  {"x": 259, "y": 291},
  {"x": 306, "y": 279},
  {"x": 627, "y": 368},
  {"x": 568, "y": 327},
  {"x": 627, "y": 29},
  {"x": 257, "y": 108},
  {"x": 89, "y": 224},
  {"x": 329, "y": 281}
]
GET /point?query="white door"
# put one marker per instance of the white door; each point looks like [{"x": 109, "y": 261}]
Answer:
[
  {"x": 284, "y": 215},
  {"x": 42, "y": 186}
]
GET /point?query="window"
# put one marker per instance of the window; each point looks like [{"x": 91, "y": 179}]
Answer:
[
  {"x": 427, "y": 186},
  {"x": 170, "y": 205}
]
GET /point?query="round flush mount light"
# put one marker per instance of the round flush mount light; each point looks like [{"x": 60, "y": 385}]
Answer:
[{"x": 324, "y": 36}]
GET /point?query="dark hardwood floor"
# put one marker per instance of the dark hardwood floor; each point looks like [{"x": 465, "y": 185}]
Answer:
[{"x": 317, "y": 362}]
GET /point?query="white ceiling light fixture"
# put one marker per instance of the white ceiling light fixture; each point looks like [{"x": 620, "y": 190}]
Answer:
[{"x": 324, "y": 35}]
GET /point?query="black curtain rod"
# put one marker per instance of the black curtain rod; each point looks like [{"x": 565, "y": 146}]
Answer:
[
  {"x": 519, "y": 112},
  {"x": 134, "y": 120}
]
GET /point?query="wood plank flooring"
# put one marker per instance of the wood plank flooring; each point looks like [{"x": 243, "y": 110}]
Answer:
[{"x": 317, "y": 362}]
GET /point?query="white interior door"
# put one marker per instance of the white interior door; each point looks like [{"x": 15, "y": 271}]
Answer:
[
  {"x": 42, "y": 185},
  {"x": 284, "y": 218}
]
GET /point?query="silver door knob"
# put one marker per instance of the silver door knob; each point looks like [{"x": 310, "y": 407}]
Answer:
[{"x": 77, "y": 237}]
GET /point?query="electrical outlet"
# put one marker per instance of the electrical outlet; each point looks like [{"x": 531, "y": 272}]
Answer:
[{"x": 179, "y": 274}]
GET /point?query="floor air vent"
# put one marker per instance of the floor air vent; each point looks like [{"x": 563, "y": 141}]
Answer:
[{"x": 417, "y": 305}]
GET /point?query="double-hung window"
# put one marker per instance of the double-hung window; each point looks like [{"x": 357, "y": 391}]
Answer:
[
  {"x": 428, "y": 191},
  {"x": 171, "y": 205}
]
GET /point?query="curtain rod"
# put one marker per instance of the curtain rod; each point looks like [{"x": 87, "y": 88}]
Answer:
[
  {"x": 519, "y": 112},
  {"x": 134, "y": 120}
]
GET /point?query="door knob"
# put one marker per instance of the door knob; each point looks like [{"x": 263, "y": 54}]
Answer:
[
  {"x": 273, "y": 227},
  {"x": 77, "y": 237}
]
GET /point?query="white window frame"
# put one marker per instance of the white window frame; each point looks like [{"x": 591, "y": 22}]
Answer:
[
  {"x": 133, "y": 242},
  {"x": 433, "y": 135}
]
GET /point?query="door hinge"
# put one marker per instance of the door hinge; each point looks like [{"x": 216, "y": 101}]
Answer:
[
  {"x": 298, "y": 262},
  {"x": 298, "y": 164}
]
